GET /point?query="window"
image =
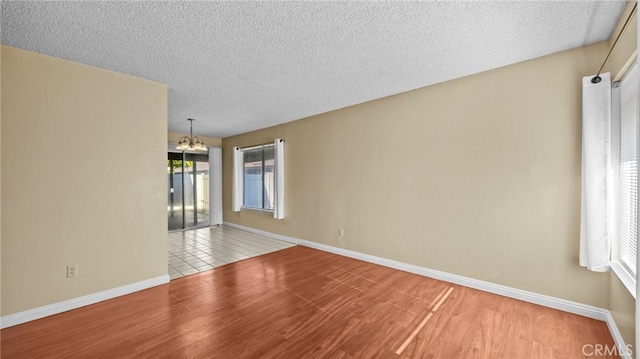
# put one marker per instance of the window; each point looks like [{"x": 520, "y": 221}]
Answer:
[
  {"x": 258, "y": 178},
  {"x": 609, "y": 184},
  {"x": 625, "y": 163},
  {"x": 258, "y": 175},
  {"x": 622, "y": 179}
]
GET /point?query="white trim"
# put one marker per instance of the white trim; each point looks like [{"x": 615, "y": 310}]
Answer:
[
  {"x": 265, "y": 145},
  {"x": 523, "y": 295},
  {"x": 617, "y": 337},
  {"x": 625, "y": 277},
  {"x": 257, "y": 209},
  {"x": 55, "y": 308}
]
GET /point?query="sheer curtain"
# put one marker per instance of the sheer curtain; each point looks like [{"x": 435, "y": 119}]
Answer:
[
  {"x": 237, "y": 189},
  {"x": 278, "y": 206},
  {"x": 215, "y": 185},
  {"x": 595, "y": 241}
]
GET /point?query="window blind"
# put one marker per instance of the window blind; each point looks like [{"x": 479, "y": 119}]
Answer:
[{"x": 628, "y": 182}]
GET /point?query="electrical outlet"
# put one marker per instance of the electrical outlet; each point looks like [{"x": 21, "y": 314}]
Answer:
[
  {"x": 72, "y": 271},
  {"x": 341, "y": 232}
]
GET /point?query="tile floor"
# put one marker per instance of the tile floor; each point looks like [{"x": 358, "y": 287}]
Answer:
[{"x": 198, "y": 250}]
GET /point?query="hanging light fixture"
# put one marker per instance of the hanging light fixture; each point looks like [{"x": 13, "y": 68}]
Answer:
[{"x": 191, "y": 142}]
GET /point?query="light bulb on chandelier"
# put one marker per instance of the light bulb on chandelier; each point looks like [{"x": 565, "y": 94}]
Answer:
[{"x": 191, "y": 142}]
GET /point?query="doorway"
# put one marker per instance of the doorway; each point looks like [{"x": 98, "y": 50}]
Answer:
[{"x": 188, "y": 190}]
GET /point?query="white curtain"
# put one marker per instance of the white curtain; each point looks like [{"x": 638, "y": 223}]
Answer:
[
  {"x": 237, "y": 189},
  {"x": 278, "y": 206},
  {"x": 595, "y": 241},
  {"x": 215, "y": 185}
]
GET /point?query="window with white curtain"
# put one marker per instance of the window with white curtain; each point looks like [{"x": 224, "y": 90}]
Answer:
[
  {"x": 258, "y": 178},
  {"x": 258, "y": 174},
  {"x": 625, "y": 176}
]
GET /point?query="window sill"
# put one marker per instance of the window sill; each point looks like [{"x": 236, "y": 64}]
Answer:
[
  {"x": 256, "y": 209},
  {"x": 625, "y": 277}
]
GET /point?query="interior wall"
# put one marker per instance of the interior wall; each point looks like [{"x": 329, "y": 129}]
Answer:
[
  {"x": 83, "y": 179},
  {"x": 0, "y": 182},
  {"x": 626, "y": 45},
  {"x": 478, "y": 176}
]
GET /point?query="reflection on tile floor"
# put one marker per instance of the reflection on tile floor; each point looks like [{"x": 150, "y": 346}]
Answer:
[{"x": 201, "y": 249}]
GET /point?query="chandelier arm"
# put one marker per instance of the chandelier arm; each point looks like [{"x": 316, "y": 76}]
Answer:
[{"x": 194, "y": 142}]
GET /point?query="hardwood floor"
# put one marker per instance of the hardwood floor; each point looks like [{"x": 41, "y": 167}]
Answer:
[{"x": 304, "y": 303}]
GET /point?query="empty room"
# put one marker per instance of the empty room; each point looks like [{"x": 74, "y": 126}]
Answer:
[{"x": 331, "y": 179}]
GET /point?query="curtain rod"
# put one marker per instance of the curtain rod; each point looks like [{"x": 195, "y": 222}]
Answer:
[
  {"x": 597, "y": 78},
  {"x": 257, "y": 146}
]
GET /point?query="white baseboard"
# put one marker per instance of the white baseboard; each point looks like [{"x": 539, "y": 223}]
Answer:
[
  {"x": 523, "y": 295},
  {"x": 617, "y": 337},
  {"x": 55, "y": 308}
]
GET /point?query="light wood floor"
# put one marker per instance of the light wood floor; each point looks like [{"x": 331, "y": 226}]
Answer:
[{"x": 303, "y": 303}]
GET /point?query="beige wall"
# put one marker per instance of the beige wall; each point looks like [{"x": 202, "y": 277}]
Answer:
[
  {"x": 341, "y": 178},
  {"x": 0, "y": 183},
  {"x": 174, "y": 137},
  {"x": 83, "y": 179},
  {"x": 626, "y": 45},
  {"x": 622, "y": 308},
  {"x": 478, "y": 176}
]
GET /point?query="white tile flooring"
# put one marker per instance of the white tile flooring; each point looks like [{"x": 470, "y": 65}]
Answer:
[{"x": 198, "y": 250}]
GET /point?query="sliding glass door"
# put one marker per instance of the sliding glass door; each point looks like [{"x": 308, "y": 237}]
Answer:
[
  {"x": 188, "y": 191},
  {"x": 196, "y": 190}
]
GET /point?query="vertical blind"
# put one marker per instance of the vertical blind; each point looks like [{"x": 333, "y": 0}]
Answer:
[{"x": 628, "y": 181}]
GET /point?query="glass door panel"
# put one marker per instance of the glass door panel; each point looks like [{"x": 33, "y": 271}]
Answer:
[
  {"x": 188, "y": 190},
  {"x": 202, "y": 191},
  {"x": 174, "y": 172},
  {"x": 196, "y": 190},
  {"x": 190, "y": 216}
]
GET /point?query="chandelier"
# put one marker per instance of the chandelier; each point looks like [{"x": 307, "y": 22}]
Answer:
[{"x": 191, "y": 142}]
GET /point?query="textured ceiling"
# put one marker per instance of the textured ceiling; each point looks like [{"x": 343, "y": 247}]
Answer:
[{"x": 241, "y": 66}]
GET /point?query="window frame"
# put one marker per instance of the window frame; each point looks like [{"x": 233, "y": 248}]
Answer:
[
  {"x": 244, "y": 196},
  {"x": 620, "y": 269}
]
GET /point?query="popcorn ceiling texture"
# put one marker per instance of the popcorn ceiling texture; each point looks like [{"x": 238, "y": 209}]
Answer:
[{"x": 242, "y": 66}]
